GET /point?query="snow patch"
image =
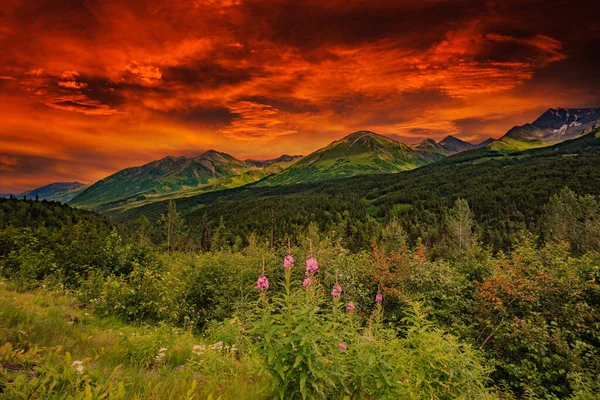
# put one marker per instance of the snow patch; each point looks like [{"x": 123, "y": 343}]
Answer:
[{"x": 562, "y": 129}]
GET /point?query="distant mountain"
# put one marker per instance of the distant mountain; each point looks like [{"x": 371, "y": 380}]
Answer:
[
  {"x": 173, "y": 177},
  {"x": 434, "y": 151},
  {"x": 57, "y": 191},
  {"x": 359, "y": 153},
  {"x": 507, "y": 193},
  {"x": 265, "y": 163},
  {"x": 554, "y": 126},
  {"x": 430, "y": 150},
  {"x": 454, "y": 145},
  {"x": 486, "y": 142},
  {"x": 5, "y": 195}
]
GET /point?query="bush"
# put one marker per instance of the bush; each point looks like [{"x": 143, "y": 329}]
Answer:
[{"x": 312, "y": 347}]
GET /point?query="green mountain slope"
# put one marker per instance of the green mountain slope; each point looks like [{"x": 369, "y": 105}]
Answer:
[
  {"x": 168, "y": 175},
  {"x": 359, "y": 153},
  {"x": 430, "y": 150},
  {"x": 507, "y": 193},
  {"x": 174, "y": 177},
  {"x": 57, "y": 191},
  {"x": 553, "y": 126}
]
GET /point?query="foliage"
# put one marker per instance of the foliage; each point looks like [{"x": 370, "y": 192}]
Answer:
[{"x": 314, "y": 348}]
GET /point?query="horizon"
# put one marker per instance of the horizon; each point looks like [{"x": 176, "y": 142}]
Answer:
[
  {"x": 92, "y": 88},
  {"x": 218, "y": 151}
]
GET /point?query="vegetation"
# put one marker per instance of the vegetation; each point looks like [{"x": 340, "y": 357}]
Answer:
[
  {"x": 507, "y": 194},
  {"x": 89, "y": 309}
]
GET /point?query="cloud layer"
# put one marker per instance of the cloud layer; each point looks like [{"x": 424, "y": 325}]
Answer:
[{"x": 101, "y": 85}]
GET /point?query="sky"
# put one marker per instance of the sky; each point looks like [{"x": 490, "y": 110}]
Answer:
[{"x": 91, "y": 87}]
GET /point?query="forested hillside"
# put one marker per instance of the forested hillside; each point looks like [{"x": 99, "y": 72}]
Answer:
[{"x": 507, "y": 193}]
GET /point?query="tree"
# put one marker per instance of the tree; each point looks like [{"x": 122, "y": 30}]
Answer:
[
  {"x": 393, "y": 236},
  {"x": 220, "y": 240},
  {"x": 459, "y": 226},
  {"x": 174, "y": 227},
  {"x": 574, "y": 219}
]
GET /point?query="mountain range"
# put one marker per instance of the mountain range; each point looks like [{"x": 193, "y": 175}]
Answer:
[
  {"x": 553, "y": 126},
  {"x": 360, "y": 153}
]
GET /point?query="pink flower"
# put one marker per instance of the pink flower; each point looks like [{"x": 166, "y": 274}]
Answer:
[
  {"x": 307, "y": 282},
  {"x": 288, "y": 262},
  {"x": 379, "y": 298},
  {"x": 371, "y": 339},
  {"x": 311, "y": 266},
  {"x": 262, "y": 283},
  {"x": 337, "y": 290},
  {"x": 342, "y": 346},
  {"x": 350, "y": 307}
]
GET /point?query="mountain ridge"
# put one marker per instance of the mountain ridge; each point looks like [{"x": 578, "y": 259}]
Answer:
[{"x": 553, "y": 126}]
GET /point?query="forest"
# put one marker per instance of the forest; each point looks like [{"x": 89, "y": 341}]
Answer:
[{"x": 335, "y": 303}]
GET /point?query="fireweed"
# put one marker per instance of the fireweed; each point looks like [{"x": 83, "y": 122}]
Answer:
[{"x": 315, "y": 346}]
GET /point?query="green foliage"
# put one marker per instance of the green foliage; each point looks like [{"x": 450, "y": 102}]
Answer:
[
  {"x": 537, "y": 319},
  {"x": 574, "y": 219},
  {"x": 312, "y": 348},
  {"x": 57, "y": 377},
  {"x": 506, "y": 193}
]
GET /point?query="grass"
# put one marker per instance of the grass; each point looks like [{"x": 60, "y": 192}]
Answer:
[{"x": 43, "y": 331}]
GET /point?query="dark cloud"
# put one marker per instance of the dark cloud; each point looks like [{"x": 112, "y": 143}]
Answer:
[{"x": 136, "y": 80}]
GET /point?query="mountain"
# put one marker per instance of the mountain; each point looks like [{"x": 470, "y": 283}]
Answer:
[
  {"x": 506, "y": 191},
  {"x": 486, "y": 142},
  {"x": 359, "y": 153},
  {"x": 430, "y": 150},
  {"x": 434, "y": 151},
  {"x": 265, "y": 163},
  {"x": 161, "y": 177},
  {"x": 174, "y": 177},
  {"x": 57, "y": 191},
  {"x": 553, "y": 126},
  {"x": 454, "y": 145}
]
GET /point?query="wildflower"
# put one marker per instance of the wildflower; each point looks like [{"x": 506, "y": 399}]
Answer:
[
  {"x": 371, "y": 339},
  {"x": 342, "y": 346},
  {"x": 217, "y": 346},
  {"x": 262, "y": 283},
  {"x": 198, "y": 350},
  {"x": 337, "y": 290},
  {"x": 350, "y": 307},
  {"x": 288, "y": 262},
  {"x": 378, "y": 298},
  {"x": 78, "y": 366},
  {"x": 311, "y": 266},
  {"x": 307, "y": 282},
  {"x": 161, "y": 354}
]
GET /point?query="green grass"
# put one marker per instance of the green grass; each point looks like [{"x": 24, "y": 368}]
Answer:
[
  {"x": 514, "y": 144},
  {"x": 43, "y": 331}
]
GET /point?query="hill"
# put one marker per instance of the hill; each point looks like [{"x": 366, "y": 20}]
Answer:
[
  {"x": 507, "y": 193},
  {"x": 57, "y": 191},
  {"x": 173, "y": 177},
  {"x": 359, "y": 153}
]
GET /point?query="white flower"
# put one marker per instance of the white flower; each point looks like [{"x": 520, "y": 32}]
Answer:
[
  {"x": 78, "y": 366},
  {"x": 198, "y": 350}
]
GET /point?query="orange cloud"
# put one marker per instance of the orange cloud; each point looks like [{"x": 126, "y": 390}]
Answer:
[
  {"x": 255, "y": 121},
  {"x": 254, "y": 77}
]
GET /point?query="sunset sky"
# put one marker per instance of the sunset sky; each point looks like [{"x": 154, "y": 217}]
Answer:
[{"x": 91, "y": 87}]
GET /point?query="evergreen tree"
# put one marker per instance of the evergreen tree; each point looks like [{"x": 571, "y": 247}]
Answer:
[
  {"x": 459, "y": 226},
  {"x": 174, "y": 225}
]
